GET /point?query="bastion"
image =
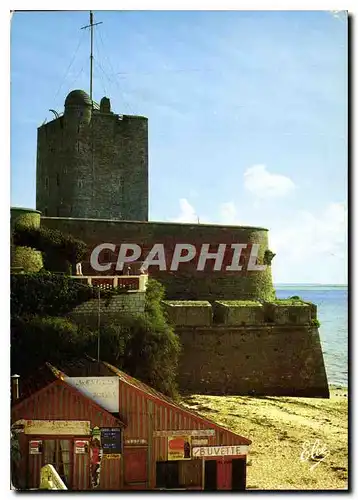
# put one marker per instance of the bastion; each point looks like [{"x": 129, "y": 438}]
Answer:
[{"x": 187, "y": 283}]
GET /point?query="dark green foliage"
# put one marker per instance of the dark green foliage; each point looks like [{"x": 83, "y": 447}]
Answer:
[
  {"x": 46, "y": 294},
  {"x": 35, "y": 340},
  {"x": 268, "y": 256},
  {"x": 144, "y": 346},
  {"x": 61, "y": 251},
  {"x": 295, "y": 297},
  {"x": 315, "y": 322}
]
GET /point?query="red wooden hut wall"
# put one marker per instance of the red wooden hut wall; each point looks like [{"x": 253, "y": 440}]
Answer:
[
  {"x": 58, "y": 401},
  {"x": 145, "y": 411}
]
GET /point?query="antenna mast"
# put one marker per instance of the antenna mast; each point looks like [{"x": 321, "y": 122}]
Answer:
[{"x": 91, "y": 25}]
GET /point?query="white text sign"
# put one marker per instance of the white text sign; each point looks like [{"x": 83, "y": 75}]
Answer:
[
  {"x": 103, "y": 390},
  {"x": 220, "y": 451},
  {"x": 195, "y": 432}
]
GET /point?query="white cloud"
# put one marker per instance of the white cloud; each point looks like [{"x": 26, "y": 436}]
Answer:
[
  {"x": 264, "y": 184},
  {"x": 187, "y": 212},
  {"x": 228, "y": 213},
  {"x": 312, "y": 247}
]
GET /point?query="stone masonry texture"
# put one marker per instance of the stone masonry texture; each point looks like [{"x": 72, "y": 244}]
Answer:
[
  {"x": 268, "y": 360},
  {"x": 186, "y": 283},
  {"x": 93, "y": 164},
  {"x": 130, "y": 303}
]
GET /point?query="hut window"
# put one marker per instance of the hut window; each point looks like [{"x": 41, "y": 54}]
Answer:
[
  {"x": 57, "y": 453},
  {"x": 45, "y": 211}
]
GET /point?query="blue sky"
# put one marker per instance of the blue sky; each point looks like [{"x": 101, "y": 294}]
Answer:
[{"x": 247, "y": 117}]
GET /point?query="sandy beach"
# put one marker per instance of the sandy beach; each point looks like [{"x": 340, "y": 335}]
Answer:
[{"x": 286, "y": 433}]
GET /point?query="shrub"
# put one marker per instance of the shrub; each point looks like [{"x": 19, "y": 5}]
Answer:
[
  {"x": 35, "y": 340},
  {"x": 61, "y": 251},
  {"x": 46, "y": 294},
  {"x": 315, "y": 322}
]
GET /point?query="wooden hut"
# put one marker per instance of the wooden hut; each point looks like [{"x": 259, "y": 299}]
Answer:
[{"x": 105, "y": 430}]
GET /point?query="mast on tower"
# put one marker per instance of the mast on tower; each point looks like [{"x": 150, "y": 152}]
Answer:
[{"x": 91, "y": 25}]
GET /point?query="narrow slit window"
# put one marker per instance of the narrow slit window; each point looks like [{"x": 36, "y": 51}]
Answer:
[
  {"x": 46, "y": 182},
  {"x": 58, "y": 179}
]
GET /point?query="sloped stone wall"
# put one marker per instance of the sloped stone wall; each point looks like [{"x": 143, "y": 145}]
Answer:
[{"x": 123, "y": 304}]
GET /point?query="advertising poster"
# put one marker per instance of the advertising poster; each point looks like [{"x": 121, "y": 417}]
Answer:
[
  {"x": 179, "y": 448},
  {"x": 96, "y": 456},
  {"x": 35, "y": 447},
  {"x": 81, "y": 446}
]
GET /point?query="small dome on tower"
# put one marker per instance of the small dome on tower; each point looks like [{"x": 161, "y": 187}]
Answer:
[
  {"x": 105, "y": 106},
  {"x": 78, "y": 98}
]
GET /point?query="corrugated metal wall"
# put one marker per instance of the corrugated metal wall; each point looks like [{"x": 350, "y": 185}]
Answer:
[
  {"x": 59, "y": 402},
  {"x": 144, "y": 414},
  {"x": 140, "y": 411}
]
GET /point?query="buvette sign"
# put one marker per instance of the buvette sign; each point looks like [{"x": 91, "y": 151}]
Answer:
[
  {"x": 233, "y": 257},
  {"x": 219, "y": 451}
]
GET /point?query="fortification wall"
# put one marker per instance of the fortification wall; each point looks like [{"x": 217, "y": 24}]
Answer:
[
  {"x": 187, "y": 283},
  {"x": 262, "y": 360},
  {"x": 28, "y": 259},
  {"x": 129, "y": 303},
  {"x": 244, "y": 351}
]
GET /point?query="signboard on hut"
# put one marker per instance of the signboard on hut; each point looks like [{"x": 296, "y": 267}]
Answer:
[
  {"x": 103, "y": 390},
  {"x": 81, "y": 447},
  {"x": 35, "y": 447},
  {"x": 179, "y": 448},
  {"x": 111, "y": 439}
]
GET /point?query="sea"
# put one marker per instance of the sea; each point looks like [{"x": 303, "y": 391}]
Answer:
[{"x": 332, "y": 313}]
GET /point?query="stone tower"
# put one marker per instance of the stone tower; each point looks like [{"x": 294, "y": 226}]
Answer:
[{"x": 92, "y": 163}]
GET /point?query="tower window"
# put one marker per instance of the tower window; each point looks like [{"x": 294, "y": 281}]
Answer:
[
  {"x": 46, "y": 182},
  {"x": 80, "y": 183},
  {"x": 58, "y": 179}
]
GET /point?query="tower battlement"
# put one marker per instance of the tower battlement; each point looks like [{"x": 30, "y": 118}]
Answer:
[{"x": 93, "y": 163}]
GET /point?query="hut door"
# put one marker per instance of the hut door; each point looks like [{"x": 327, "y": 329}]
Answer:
[
  {"x": 224, "y": 474},
  {"x": 238, "y": 474},
  {"x": 58, "y": 452},
  {"x": 135, "y": 468},
  {"x": 210, "y": 475}
]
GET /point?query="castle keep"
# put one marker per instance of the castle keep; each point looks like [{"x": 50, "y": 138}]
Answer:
[
  {"x": 93, "y": 163},
  {"x": 92, "y": 183}
]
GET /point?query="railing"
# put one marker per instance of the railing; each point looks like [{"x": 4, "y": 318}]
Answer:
[
  {"x": 50, "y": 479},
  {"x": 131, "y": 283}
]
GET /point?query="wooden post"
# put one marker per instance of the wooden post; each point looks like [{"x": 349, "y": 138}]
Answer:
[{"x": 203, "y": 474}]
